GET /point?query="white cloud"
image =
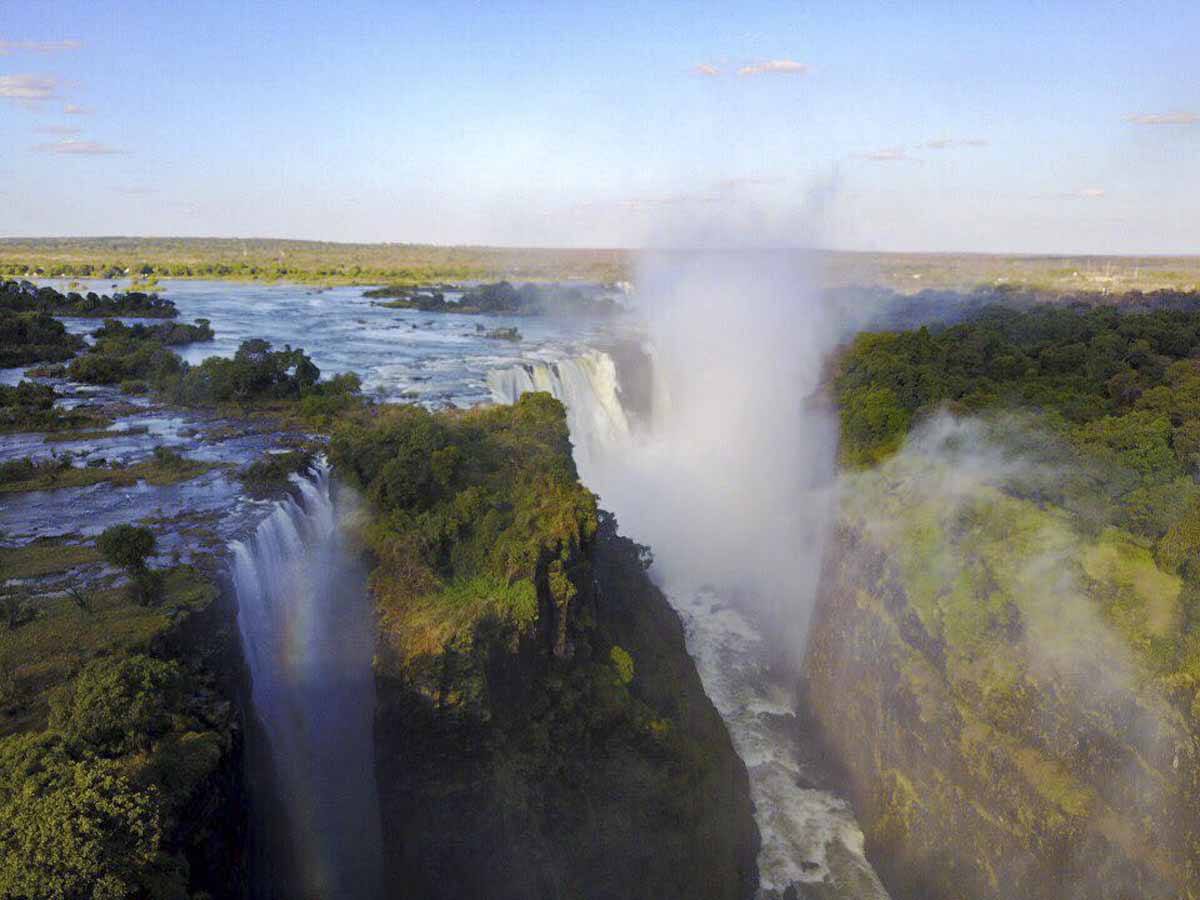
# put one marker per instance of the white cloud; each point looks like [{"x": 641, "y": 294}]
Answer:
[
  {"x": 1090, "y": 193},
  {"x": 948, "y": 143},
  {"x": 135, "y": 190},
  {"x": 27, "y": 88},
  {"x": 7, "y": 47},
  {"x": 637, "y": 204},
  {"x": 706, "y": 69},
  {"x": 749, "y": 181},
  {"x": 775, "y": 66},
  {"x": 889, "y": 154},
  {"x": 1169, "y": 118},
  {"x": 78, "y": 148},
  {"x": 72, "y": 109},
  {"x": 58, "y": 129}
]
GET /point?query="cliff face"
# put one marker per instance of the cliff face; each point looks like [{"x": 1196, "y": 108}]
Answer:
[
  {"x": 979, "y": 669},
  {"x": 540, "y": 729},
  {"x": 577, "y": 757}
]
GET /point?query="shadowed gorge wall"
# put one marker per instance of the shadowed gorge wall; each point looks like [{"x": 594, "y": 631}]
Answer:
[
  {"x": 980, "y": 666},
  {"x": 540, "y": 730}
]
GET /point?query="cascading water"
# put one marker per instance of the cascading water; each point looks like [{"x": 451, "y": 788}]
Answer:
[
  {"x": 809, "y": 835},
  {"x": 307, "y": 630},
  {"x": 587, "y": 386}
]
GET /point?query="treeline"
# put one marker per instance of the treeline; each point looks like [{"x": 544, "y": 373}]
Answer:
[
  {"x": 31, "y": 337},
  {"x": 1102, "y": 409},
  {"x": 24, "y": 296},
  {"x": 301, "y": 261},
  {"x": 501, "y": 298},
  {"x": 1097, "y": 370}
]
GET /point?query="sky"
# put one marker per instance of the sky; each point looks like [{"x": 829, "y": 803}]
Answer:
[{"x": 1024, "y": 127}]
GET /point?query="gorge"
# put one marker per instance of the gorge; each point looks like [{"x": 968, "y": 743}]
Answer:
[{"x": 461, "y": 678}]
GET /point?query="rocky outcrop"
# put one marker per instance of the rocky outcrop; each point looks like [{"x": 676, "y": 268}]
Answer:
[
  {"x": 575, "y": 758},
  {"x": 1000, "y": 737}
]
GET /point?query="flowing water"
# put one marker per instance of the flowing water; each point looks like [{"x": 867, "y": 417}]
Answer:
[
  {"x": 307, "y": 629},
  {"x": 809, "y": 835}
]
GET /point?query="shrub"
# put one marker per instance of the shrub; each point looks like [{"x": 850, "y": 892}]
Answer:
[
  {"x": 117, "y": 705},
  {"x": 127, "y": 546}
]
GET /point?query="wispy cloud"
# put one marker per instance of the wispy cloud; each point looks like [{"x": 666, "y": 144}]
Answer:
[
  {"x": 749, "y": 181},
  {"x": 888, "y": 154},
  {"x": 28, "y": 88},
  {"x": 7, "y": 46},
  {"x": 949, "y": 143},
  {"x": 135, "y": 190},
  {"x": 1168, "y": 118},
  {"x": 74, "y": 109},
  {"x": 78, "y": 148},
  {"x": 635, "y": 204},
  {"x": 776, "y": 67},
  {"x": 707, "y": 70},
  {"x": 1090, "y": 193},
  {"x": 60, "y": 130}
]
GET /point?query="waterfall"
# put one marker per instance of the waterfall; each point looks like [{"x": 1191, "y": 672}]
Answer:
[
  {"x": 587, "y": 386},
  {"x": 809, "y": 835},
  {"x": 306, "y": 626}
]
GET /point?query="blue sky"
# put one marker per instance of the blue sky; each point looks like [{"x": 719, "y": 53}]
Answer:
[{"x": 1006, "y": 127}]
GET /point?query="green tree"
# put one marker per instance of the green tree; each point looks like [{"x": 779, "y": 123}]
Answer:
[
  {"x": 76, "y": 829},
  {"x": 117, "y": 704}
]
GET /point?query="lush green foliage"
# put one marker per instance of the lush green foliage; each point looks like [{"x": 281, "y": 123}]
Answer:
[
  {"x": 1121, "y": 382},
  {"x": 478, "y": 512},
  {"x": 270, "y": 475},
  {"x": 29, "y": 406},
  {"x": 29, "y": 337},
  {"x": 1109, "y": 434},
  {"x": 258, "y": 373},
  {"x": 74, "y": 827},
  {"x": 106, "y": 744},
  {"x": 124, "y": 354},
  {"x": 500, "y": 298},
  {"x": 26, "y": 297},
  {"x": 127, "y": 546}
]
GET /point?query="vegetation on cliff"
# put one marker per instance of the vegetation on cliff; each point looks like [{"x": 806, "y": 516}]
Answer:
[
  {"x": 1014, "y": 598},
  {"x": 112, "y": 737},
  {"x": 536, "y": 734}
]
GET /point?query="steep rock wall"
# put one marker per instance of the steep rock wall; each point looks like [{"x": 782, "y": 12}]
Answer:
[
  {"x": 576, "y": 758},
  {"x": 984, "y": 760}
]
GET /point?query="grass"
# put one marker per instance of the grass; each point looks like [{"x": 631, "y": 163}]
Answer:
[
  {"x": 151, "y": 471},
  {"x": 426, "y": 625},
  {"x": 47, "y": 556},
  {"x": 98, "y": 435},
  {"x": 43, "y": 654}
]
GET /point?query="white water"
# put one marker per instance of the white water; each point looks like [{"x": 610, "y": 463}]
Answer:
[
  {"x": 305, "y": 621},
  {"x": 808, "y": 835}
]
